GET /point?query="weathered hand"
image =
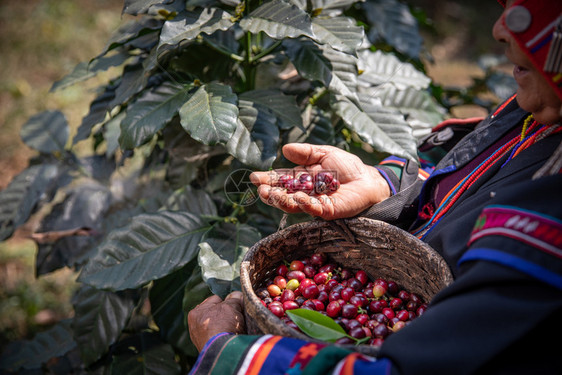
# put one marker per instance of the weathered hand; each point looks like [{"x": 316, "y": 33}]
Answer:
[
  {"x": 361, "y": 185},
  {"x": 213, "y": 316}
]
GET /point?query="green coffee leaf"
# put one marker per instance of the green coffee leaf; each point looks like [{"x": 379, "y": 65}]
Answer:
[
  {"x": 279, "y": 20},
  {"x": 149, "y": 248},
  {"x": 210, "y": 114},
  {"x": 46, "y": 132},
  {"x": 151, "y": 112},
  {"x": 188, "y": 25},
  {"x": 316, "y": 325}
]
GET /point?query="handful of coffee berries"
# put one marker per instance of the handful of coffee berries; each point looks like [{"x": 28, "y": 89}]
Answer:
[
  {"x": 323, "y": 182},
  {"x": 367, "y": 310}
]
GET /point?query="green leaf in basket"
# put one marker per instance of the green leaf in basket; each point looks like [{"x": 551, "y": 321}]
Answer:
[{"x": 316, "y": 325}]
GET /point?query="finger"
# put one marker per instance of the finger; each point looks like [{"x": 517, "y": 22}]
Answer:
[
  {"x": 261, "y": 178},
  {"x": 280, "y": 199},
  {"x": 212, "y": 300},
  {"x": 235, "y": 300},
  {"x": 265, "y": 192},
  {"x": 234, "y": 295},
  {"x": 305, "y": 154},
  {"x": 321, "y": 206}
]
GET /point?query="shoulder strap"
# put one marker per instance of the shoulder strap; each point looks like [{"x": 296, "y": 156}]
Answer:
[{"x": 400, "y": 208}]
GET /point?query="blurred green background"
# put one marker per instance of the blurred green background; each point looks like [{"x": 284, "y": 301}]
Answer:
[{"x": 42, "y": 40}]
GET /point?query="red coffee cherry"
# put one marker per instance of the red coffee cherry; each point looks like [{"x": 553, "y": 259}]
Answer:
[{"x": 364, "y": 308}]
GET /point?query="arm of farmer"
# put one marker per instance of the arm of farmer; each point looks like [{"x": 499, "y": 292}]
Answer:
[
  {"x": 361, "y": 185},
  {"x": 501, "y": 315}
]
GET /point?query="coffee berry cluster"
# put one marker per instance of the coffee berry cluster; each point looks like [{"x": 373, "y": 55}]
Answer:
[
  {"x": 365, "y": 309},
  {"x": 320, "y": 183}
]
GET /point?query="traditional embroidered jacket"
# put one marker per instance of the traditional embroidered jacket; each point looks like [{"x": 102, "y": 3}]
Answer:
[{"x": 499, "y": 229}]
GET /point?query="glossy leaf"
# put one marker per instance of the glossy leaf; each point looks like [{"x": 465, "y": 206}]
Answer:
[
  {"x": 192, "y": 200},
  {"x": 45, "y": 346},
  {"x": 46, "y": 132},
  {"x": 284, "y": 107},
  {"x": 195, "y": 292},
  {"x": 145, "y": 354},
  {"x": 88, "y": 69},
  {"x": 210, "y": 114},
  {"x": 392, "y": 21},
  {"x": 393, "y": 123},
  {"x": 99, "y": 109},
  {"x": 386, "y": 131},
  {"x": 325, "y": 5},
  {"x": 222, "y": 250},
  {"x": 227, "y": 40},
  {"x": 150, "y": 247},
  {"x": 185, "y": 155},
  {"x": 419, "y": 108},
  {"x": 336, "y": 70},
  {"x": 256, "y": 138},
  {"x": 136, "y": 7},
  {"x": 131, "y": 31},
  {"x": 379, "y": 68},
  {"x": 321, "y": 130},
  {"x": 166, "y": 298},
  {"x": 99, "y": 318},
  {"x": 83, "y": 207},
  {"x": 279, "y": 20},
  {"x": 150, "y": 113},
  {"x": 188, "y": 25},
  {"x": 19, "y": 200},
  {"x": 340, "y": 33},
  {"x": 316, "y": 325},
  {"x": 133, "y": 81},
  {"x": 112, "y": 132}
]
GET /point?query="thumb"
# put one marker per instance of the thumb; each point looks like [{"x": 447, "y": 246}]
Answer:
[
  {"x": 235, "y": 299},
  {"x": 236, "y": 295},
  {"x": 304, "y": 153}
]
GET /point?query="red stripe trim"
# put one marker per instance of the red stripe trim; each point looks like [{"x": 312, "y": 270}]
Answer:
[
  {"x": 450, "y": 122},
  {"x": 261, "y": 355},
  {"x": 349, "y": 362},
  {"x": 501, "y": 107}
]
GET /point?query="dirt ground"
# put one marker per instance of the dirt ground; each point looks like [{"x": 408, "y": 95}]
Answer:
[{"x": 42, "y": 40}]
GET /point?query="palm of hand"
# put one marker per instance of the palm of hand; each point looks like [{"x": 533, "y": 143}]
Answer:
[{"x": 360, "y": 185}]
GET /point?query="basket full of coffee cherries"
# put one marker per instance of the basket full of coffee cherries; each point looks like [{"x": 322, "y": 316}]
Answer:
[{"x": 351, "y": 282}]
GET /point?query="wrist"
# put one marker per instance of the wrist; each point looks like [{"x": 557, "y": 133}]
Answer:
[{"x": 379, "y": 186}]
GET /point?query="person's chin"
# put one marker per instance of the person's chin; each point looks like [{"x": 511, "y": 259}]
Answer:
[
  {"x": 524, "y": 98},
  {"x": 542, "y": 114}
]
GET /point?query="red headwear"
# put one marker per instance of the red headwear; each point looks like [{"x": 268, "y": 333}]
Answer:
[{"x": 536, "y": 25}]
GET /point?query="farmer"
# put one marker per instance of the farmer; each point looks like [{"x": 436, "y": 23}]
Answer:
[{"x": 491, "y": 207}]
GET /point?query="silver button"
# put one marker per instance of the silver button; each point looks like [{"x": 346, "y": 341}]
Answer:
[{"x": 518, "y": 19}]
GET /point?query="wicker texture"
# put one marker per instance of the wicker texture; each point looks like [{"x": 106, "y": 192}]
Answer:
[{"x": 382, "y": 250}]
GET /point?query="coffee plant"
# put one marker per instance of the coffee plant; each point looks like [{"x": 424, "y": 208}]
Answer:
[{"x": 159, "y": 214}]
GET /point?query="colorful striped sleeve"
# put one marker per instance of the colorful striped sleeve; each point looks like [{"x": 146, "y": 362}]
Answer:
[
  {"x": 525, "y": 240},
  {"x": 391, "y": 170},
  {"x": 270, "y": 355}
]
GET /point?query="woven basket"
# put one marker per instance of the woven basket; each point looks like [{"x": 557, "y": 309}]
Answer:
[{"x": 382, "y": 250}]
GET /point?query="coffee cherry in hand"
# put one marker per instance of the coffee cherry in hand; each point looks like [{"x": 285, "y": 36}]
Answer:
[{"x": 320, "y": 183}]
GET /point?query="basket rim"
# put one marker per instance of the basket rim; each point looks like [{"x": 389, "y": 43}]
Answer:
[
  {"x": 248, "y": 289},
  {"x": 343, "y": 223}
]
